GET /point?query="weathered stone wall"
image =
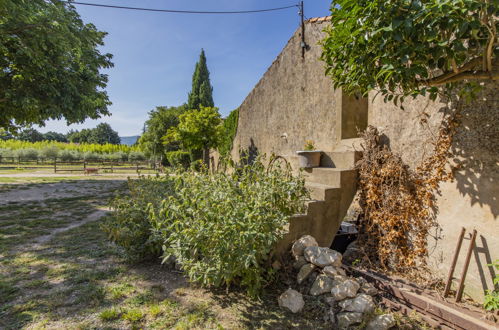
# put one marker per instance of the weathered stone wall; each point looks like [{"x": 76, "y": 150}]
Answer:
[
  {"x": 294, "y": 102},
  {"x": 471, "y": 201}
]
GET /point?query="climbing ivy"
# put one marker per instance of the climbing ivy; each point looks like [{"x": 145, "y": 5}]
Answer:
[{"x": 229, "y": 132}]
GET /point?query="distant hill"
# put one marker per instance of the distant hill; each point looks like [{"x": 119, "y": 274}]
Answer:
[{"x": 129, "y": 140}]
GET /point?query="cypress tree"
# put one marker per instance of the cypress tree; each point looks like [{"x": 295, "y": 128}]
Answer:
[{"x": 201, "y": 92}]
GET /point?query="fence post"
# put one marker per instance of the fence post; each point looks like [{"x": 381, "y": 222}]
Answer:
[
  {"x": 84, "y": 165},
  {"x": 137, "y": 165},
  {"x": 55, "y": 165}
]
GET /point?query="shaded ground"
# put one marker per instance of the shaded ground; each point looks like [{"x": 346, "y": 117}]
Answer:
[{"x": 58, "y": 271}]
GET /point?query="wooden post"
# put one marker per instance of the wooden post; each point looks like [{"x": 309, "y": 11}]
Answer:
[
  {"x": 454, "y": 261},
  {"x": 55, "y": 165},
  {"x": 84, "y": 165},
  {"x": 460, "y": 288},
  {"x": 111, "y": 167},
  {"x": 137, "y": 165}
]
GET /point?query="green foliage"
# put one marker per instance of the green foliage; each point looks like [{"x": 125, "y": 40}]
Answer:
[
  {"x": 109, "y": 314},
  {"x": 220, "y": 228},
  {"x": 102, "y": 134},
  {"x": 49, "y": 64},
  {"x": 27, "y": 154},
  {"x": 129, "y": 226},
  {"x": 30, "y": 135},
  {"x": 229, "y": 132},
  {"x": 160, "y": 120},
  {"x": 49, "y": 152},
  {"x": 179, "y": 158},
  {"x": 491, "y": 299},
  {"x": 197, "y": 129},
  {"x": 201, "y": 92},
  {"x": 409, "y": 47},
  {"x": 309, "y": 145},
  {"x": 136, "y": 156},
  {"x": 98, "y": 148}
]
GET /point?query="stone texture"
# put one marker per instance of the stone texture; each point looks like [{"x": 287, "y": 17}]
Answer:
[
  {"x": 322, "y": 284},
  {"x": 381, "y": 322},
  {"x": 368, "y": 289},
  {"x": 346, "y": 289},
  {"x": 301, "y": 244},
  {"x": 347, "y": 319},
  {"x": 292, "y": 300},
  {"x": 322, "y": 256},
  {"x": 304, "y": 272},
  {"x": 330, "y": 271},
  {"x": 300, "y": 261},
  {"x": 363, "y": 303}
]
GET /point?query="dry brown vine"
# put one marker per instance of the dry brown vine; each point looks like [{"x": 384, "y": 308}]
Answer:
[{"x": 398, "y": 203}]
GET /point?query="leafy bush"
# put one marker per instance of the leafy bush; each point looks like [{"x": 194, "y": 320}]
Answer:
[
  {"x": 229, "y": 132},
  {"x": 129, "y": 225},
  {"x": 49, "y": 152},
  {"x": 136, "y": 156},
  {"x": 491, "y": 300},
  {"x": 68, "y": 155},
  {"x": 179, "y": 158},
  {"x": 92, "y": 156},
  {"x": 221, "y": 228},
  {"x": 117, "y": 156},
  {"x": 27, "y": 154}
]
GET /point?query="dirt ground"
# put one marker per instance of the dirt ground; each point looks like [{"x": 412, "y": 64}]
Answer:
[{"x": 59, "y": 271}]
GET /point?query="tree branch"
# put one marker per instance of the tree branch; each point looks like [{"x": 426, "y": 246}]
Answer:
[
  {"x": 467, "y": 75},
  {"x": 466, "y": 67}
]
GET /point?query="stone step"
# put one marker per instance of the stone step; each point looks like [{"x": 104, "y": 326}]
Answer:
[
  {"x": 340, "y": 159},
  {"x": 329, "y": 176},
  {"x": 319, "y": 191}
]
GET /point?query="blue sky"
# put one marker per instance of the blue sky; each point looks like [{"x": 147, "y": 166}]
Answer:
[{"x": 155, "y": 53}]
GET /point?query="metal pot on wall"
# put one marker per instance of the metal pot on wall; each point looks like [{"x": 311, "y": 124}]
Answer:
[{"x": 309, "y": 158}]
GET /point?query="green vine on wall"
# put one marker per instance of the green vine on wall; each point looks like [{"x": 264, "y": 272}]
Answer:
[{"x": 230, "y": 130}]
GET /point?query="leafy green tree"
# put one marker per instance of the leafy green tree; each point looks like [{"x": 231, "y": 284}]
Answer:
[
  {"x": 30, "y": 135},
  {"x": 4, "y": 135},
  {"x": 49, "y": 64},
  {"x": 54, "y": 136},
  {"x": 201, "y": 92},
  {"x": 410, "y": 47},
  {"x": 82, "y": 136},
  {"x": 229, "y": 132},
  {"x": 103, "y": 134},
  {"x": 160, "y": 120},
  {"x": 198, "y": 130}
]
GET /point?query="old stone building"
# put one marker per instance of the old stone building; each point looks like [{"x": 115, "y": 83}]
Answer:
[{"x": 294, "y": 101}]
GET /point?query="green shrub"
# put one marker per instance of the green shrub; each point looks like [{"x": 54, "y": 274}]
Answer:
[
  {"x": 229, "y": 132},
  {"x": 197, "y": 165},
  {"x": 136, "y": 156},
  {"x": 129, "y": 225},
  {"x": 49, "y": 152},
  {"x": 221, "y": 228},
  {"x": 117, "y": 156},
  {"x": 491, "y": 300},
  {"x": 179, "y": 158},
  {"x": 109, "y": 315},
  {"x": 92, "y": 156},
  {"x": 27, "y": 154}
]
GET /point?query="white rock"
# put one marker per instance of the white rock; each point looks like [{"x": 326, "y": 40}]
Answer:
[
  {"x": 322, "y": 256},
  {"x": 346, "y": 289},
  {"x": 347, "y": 319},
  {"x": 363, "y": 303},
  {"x": 301, "y": 244},
  {"x": 381, "y": 322},
  {"x": 330, "y": 271},
  {"x": 300, "y": 262},
  {"x": 292, "y": 300},
  {"x": 369, "y": 289},
  {"x": 322, "y": 284},
  {"x": 305, "y": 270}
]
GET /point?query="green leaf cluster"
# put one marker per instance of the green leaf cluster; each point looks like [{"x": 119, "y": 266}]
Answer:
[
  {"x": 201, "y": 92},
  {"x": 160, "y": 121},
  {"x": 220, "y": 228},
  {"x": 197, "y": 129},
  {"x": 406, "y": 47},
  {"x": 229, "y": 128},
  {"x": 491, "y": 299},
  {"x": 50, "y": 64},
  {"x": 179, "y": 158}
]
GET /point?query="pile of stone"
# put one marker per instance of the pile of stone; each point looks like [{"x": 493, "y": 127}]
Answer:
[{"x": 320, "y": 275}]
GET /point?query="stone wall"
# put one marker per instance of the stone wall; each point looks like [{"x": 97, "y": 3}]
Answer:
[{"x": 294, "y": 102}]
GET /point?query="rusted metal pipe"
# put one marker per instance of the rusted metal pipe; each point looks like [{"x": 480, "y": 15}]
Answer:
[
  {"x": 460, "y": 289},
  {"x": 454, "y": 261}
]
